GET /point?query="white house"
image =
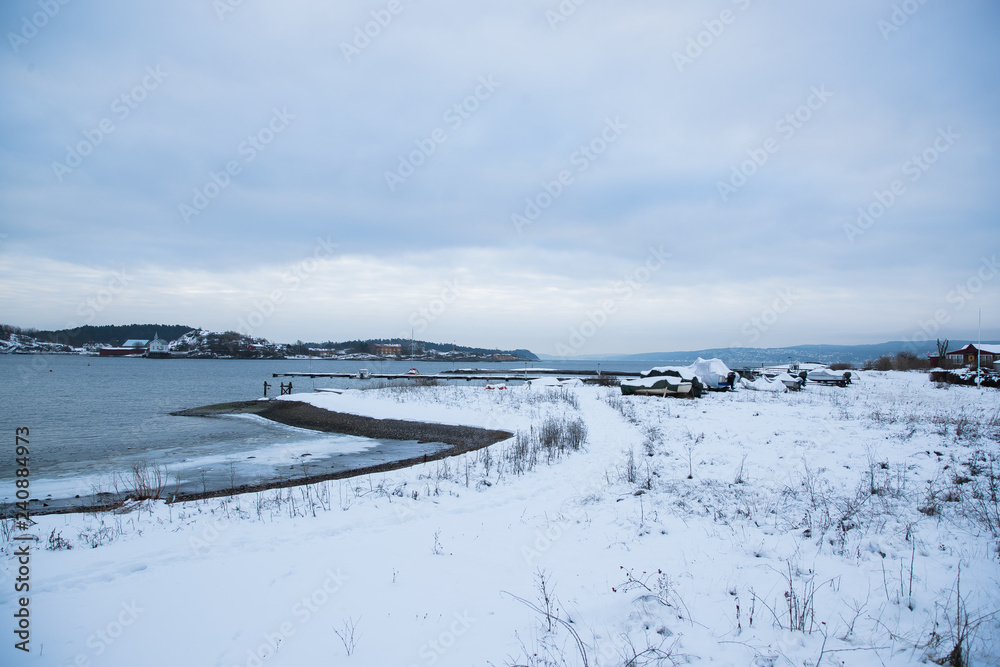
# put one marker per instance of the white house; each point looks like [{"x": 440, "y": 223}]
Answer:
[{"x": 158, "y": 347}]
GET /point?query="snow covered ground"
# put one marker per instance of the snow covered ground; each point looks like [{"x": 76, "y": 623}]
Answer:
[{"x": 831, "y": 525}]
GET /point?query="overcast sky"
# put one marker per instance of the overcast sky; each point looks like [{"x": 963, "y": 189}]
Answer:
[{"x": 575, "y": 179}]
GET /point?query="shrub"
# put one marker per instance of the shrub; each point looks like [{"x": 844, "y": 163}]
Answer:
[
  {"x": 145, "y": 481},
  {"x": 907, "y": 361},
  {"x": 883, "y": 363}
]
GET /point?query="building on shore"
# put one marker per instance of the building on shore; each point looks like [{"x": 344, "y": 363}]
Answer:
[
  {"x": 158, "y": 348},
  {"x": 968, "y": 355},
  {"x": 386, "y": 349},
  {"x": 132, "y": 348}
]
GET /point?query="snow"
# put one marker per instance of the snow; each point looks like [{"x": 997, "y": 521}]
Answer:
[
  {"x": 429, "y": 562},
  {"x": 685, "y": 372}
]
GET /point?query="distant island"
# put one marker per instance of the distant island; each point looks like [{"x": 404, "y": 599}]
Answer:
[{"x": 180, "y": 341}]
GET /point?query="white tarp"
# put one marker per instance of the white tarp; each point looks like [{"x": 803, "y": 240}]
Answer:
[{"x": 713, "y": 373}]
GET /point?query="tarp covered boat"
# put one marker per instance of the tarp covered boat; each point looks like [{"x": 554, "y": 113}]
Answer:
[
  {"x": 713, "y": 373},
  {"x": 827, "y": 376},
  {"x": 763, "y": 384},
  {"x": 660, "y": 385}
]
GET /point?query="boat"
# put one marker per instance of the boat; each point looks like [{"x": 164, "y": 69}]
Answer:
[
  {"x": 793, "y": 382},
  {"x": 827, "y": 376},
  {"x": 660, "y": 385},
  {"x": 762, "y": 383},
  {"x": 713, "y": 374}
]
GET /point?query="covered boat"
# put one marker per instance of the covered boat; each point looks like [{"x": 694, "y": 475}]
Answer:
[
  {"x": 763, "y": 384},
  {"x": 827, "y": 376},
  {"x": 712, "y": 373},
  {"x": 793, "y": 382},
  {"x": 660, "y": 385}
]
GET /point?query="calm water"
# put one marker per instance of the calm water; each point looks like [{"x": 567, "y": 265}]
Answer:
[{"x": 92, "y": 418}]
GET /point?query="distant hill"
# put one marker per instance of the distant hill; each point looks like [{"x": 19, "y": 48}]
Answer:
[
  {"x": 201, "y": 344},
  {"x": 227, "y": 344},
  {"x": 755, "y": 356},
  {"x": 111, "y": 334},
  {"x": 419, "y": 347}
]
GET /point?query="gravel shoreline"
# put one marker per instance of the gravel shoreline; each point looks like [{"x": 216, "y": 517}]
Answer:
[
  {"x": 303, "y": 415},
  {"x": 461, "y": 439}
]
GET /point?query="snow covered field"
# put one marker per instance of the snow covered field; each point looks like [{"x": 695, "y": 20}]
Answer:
[{"x": 844, "y": 526}]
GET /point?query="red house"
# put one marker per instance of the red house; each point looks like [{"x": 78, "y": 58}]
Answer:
[{"x": 967, "y": 355}]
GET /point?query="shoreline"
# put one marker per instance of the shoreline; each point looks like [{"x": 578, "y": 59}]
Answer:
[{"x": 462, "y": 439}]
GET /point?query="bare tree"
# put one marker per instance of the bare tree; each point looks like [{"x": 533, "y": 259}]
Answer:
[{"x": 942, "y": 350}]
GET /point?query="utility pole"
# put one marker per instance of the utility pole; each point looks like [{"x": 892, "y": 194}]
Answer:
[{"x": 979, "y": 354}]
